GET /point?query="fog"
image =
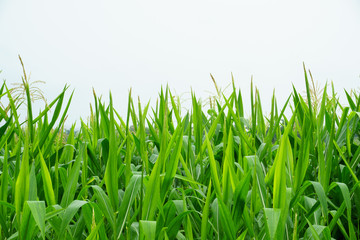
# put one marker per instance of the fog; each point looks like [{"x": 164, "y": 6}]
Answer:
[{"x": 143, "y": 45}]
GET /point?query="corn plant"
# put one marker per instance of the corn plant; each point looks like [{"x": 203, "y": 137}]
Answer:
[{"x": 158, "y": 174}]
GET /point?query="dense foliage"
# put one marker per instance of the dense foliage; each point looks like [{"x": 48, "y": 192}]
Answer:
[{"x": 156, "y": 174}]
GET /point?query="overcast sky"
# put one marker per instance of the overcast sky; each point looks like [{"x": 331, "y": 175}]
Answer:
[{"x": 118, "y": 45}]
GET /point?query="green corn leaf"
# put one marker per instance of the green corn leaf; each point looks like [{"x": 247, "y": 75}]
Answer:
[
  {"x": 282, "y": 225},
  {"x": 71, "y": 185},
  {"x": 351, "y": 102},
  {"x": 38, "y": 212},
  {"x": 277, "y": 170},
  {"x": 230, "y": 180},
  {"x": 172, "y": 165},
  {"x": 27, "y": 225},
  {"x": 346, "y": 162},
  {"x": 95, "y": 231},
  {"x": 347, "y": 200},
  {"x": 148, "y": 229},
  {"x": 47, "y": 183},
  {"x": 4, "y": 138},
  {"x": 105, "y": 205},
  {"x": 280, "y": 174},
  {"x": 4, "y": 183},
  {"x": 55, "y": 116},
  {"x": 32, "y": 183},
  {"x": 152, "y": 194},
  {"x": 272, "y": 217},
  {"x": 22, "y": 181},
  {"x": 166, "y": 214},
  {"x": 131, "y": 191},
  {"x": 242, "y": 236},
  {"x": 111, "y": 181},
  {"x": 4, "y": 127},
  {"x": 308, "y": 94},
  {"x": 303, "y": 160},
  {"x": 68, "y": 214},
  {"x": 317, "y": 232},
  {"x": 213, "y": 168},
  {"x": 175, "y": 224},
  {"x": 205, "y": 216},
  {"x": 226, "y": 220},
  {"x": 322, "y": 197},
  {"x": 240, "y": 194}
]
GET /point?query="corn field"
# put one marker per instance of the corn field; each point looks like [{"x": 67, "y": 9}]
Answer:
[{"x": 158, "y": 174}]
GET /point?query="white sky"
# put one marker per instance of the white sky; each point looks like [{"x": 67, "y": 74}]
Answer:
[{"x": 115, "y": 45}]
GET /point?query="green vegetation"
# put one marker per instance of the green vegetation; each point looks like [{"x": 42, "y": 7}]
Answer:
[{"x": 205, "y": 175}]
